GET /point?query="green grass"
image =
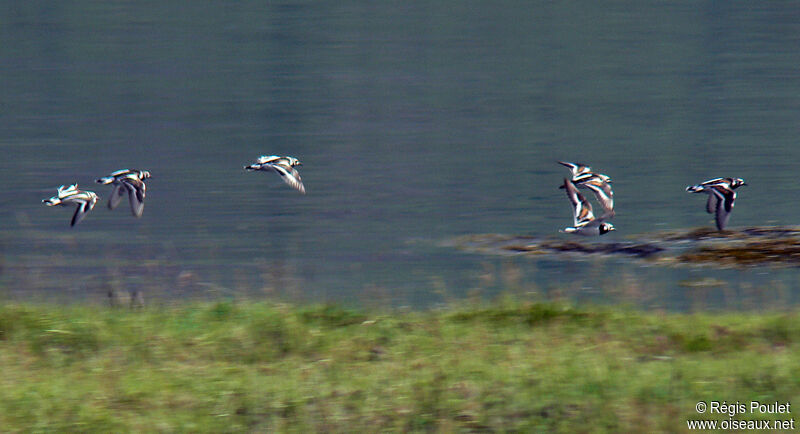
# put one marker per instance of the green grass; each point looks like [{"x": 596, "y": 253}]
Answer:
[{"x": 508, "y": 366}]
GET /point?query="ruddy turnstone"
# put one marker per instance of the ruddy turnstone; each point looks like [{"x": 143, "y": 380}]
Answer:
[
  {"x": 584, "y": 220},
  {"x": 84, "y": 200},
  {"x": 582, "y": 176},
  {"x": 283, "y": 166},
  {"x": 721, "y": 197},
  {"x": 130, "y": 181}
]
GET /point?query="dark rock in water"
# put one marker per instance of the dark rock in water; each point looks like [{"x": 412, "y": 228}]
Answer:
[
  {"x": 567, "y": 246},
  {"x": 529, "y": 248},
  {"x": 772, "y": 231},
  {"x": 771, "y": 251},
  {"x": 763, "y": 245},
  {"x": 698, "y": 234},
  {"x": 641, "y": 250},
  {"x": 702, "y": 234}
]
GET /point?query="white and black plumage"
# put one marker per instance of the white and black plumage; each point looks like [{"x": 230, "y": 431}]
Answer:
[
  {"x": 579, "y": 169},
  {"x": 283, "y": 166},
  {"x": 721, "y": 197},
  {"x": 584, "y": 221},
  {"x": 600, "y": 184},
  {"x": 127, "y": 181},
  {"x": 84, "y": 200}
]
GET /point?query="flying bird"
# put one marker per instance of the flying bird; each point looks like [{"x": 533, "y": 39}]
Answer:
[
  {"x": 598, "y": 183},
  {"x": 84, "y": 200},
  {"x": 127, "y": 181},
  {"x": 283, "y": 166},
  {"x": 721, "y": 197},
  {"x": 584, "y": 221}
]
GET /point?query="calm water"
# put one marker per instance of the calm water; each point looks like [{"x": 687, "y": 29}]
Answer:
[{"x": 415, "y": 123}]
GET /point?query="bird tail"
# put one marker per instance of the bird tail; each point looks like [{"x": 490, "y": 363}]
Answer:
[{"x": 105, "y": 180}]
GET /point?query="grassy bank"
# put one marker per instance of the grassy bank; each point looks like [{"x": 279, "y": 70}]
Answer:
[{"x": 269, "y": 367}]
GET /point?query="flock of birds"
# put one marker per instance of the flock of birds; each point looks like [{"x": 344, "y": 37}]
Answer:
[
  {"x": 721, "y": 193},
  {"x": 721, "y": 196},
  {"x": 132, "y": 182},
  {"x": 584, "y": 221}
]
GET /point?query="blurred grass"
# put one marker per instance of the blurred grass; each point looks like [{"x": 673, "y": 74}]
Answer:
[{"x": 504, "y": 366}]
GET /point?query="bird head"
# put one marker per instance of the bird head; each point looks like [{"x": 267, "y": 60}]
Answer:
[{"x": 606, "y": 228}]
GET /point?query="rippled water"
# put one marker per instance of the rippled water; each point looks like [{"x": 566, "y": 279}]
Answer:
[{"x": 416, "y": 123}]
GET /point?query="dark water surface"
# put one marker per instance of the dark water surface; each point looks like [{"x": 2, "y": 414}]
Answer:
[{"x": 416, "y": 122}]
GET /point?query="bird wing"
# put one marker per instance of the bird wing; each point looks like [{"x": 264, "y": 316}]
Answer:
[
  {"x": 116, "y": 196},
  {"x": 713, "y": 182},
  {"x": 725, "y": 199},
  {"x": 721, "y": 216},
  {"x": 726, "y": 195},
  {"x": 80, "y": 212},
  {"x": 603, "y": 192},
  {"x": 582, "y": 209},
  {"x": 122, "y": 172},
  {"x": 576, "y": 168},
  {"x": 290, "y": 176},
  {"x": 136, "y": 194},
  {"x": 267, "y": 159},
  {"x": 711, "y": 205}
]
